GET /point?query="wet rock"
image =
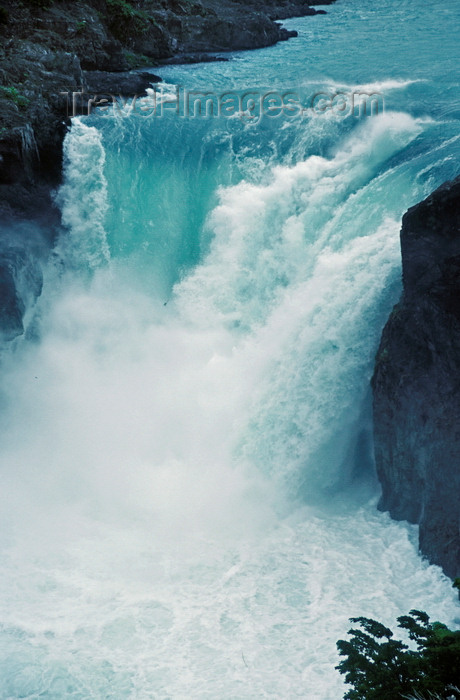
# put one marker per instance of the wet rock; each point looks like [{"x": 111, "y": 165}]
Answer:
[
  {"x": 32, "y": 118},
  {"x": 187, "y": 58},
  {"x": 416, "y": 382},
  {"x": 124, "y": 84},
  {"x": 20, "y": 285}
]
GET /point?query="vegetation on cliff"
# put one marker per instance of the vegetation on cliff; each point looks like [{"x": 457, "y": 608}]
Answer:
[{"x": 380, "y": 667}]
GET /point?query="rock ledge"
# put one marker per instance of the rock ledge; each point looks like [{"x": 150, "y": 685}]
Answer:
[{"x": 416, "y": 382}]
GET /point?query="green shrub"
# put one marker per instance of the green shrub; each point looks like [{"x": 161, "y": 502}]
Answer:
[
  {"x": 124, "y": 19},
  {"x": 382, "y": 668},
  {"x": 80, "y": 26},
  {"x": 12, "y": 93},
  {"x": 137, "y": 60},
  {"x": 4, "y": 15}
]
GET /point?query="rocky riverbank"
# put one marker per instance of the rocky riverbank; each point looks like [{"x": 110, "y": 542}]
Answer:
[{"x": 416, "y": 382}]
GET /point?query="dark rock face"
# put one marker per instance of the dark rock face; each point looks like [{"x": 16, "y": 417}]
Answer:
[
  {"x": 32, "y": 123},
  {"x": 20, "y": 285},
  {"x": 123, "y": 84},
  {"x": 227, "y": 28},
  {"x": 11, "y": 308},
  {"x": 416, "y": 382}
]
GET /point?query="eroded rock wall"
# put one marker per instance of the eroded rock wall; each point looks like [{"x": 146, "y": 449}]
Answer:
[{"x": 416, "y": 383}]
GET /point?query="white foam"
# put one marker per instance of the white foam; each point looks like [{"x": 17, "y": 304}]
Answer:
[
  {"x": 83, "y": 198},
  {"x": 374, "y": 87},
  {"x": 266, "y": 237}
]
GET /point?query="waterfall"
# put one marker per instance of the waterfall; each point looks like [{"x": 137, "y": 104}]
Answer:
[{"x": 188, "y": 498}]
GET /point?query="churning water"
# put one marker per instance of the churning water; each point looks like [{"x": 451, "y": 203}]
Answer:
[{"x": 188, "y": 499}]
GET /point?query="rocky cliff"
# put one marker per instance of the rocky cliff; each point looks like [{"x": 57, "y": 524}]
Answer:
[{"x": 416, "y": 383}]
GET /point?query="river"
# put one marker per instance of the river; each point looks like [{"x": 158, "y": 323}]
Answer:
[{"x": 187, "y": 482}]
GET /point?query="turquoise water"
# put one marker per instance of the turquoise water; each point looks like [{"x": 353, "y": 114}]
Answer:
[{"x": 188, "y": 498}]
